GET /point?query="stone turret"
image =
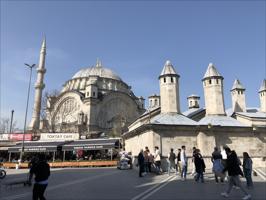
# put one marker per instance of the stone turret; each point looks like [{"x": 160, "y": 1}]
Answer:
[
  {"x": 262, "y": 94},
  {"x": 193, "y": 101},
  {"x": 154, "y": 101},
  {"x": 238, "y": 97},
  {"x": 39, "y": 86},
  {"x": 213, "y": 91},
  {"x": 169, "y": 89}
]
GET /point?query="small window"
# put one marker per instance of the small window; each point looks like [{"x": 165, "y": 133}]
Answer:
[
  {"x": 238, "y": 92},
  {"x": 241, "y": 92},
  {"x": 156, "y": 102},
  {"x": 172, "y": 80},
  {"x": 93, "y": 94},
  {"x": 217, "y": 81},
  {"x": 164, "y": 80},
  {"x": 210, "y": 81},
  {"x": 190, "y": 103},
  {"x": 88, "y": 94}
]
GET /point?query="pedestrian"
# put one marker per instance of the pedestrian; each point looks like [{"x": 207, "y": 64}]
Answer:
[
  {"x": 41, "y": 171},
  {"x": 247, "y": 169},
  {"x": 178, "y": 162},
  {"x": 199, "y": 166},
  {"x": 150, "y": 160},
  {"x": 157, "y": 159},
  {"x": 146, "y": 160},
  {"x": 141, "y": 163},
  {"x": 183, "y": 159},
  {"x": 193, "y": 166},
  {"x": 233, "y": 168},
  {"x": 171, "y": 160},
  {"x": 217, "y": 167}
]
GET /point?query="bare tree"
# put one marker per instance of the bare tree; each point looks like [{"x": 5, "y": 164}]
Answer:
[{"x": 5, "y": 125}]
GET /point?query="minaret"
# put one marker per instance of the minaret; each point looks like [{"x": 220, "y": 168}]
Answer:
[
  {"x": 262, "y": 93},
  {"x": 39, "y": 86},
  {"x": 169, "y": 89},
  {"x": 213, "y": 91},
  {"x": 238, "y": 97}
]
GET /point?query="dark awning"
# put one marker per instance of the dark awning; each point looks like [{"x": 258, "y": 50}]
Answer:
[
  {"x": 91, "y": 144},
  {"x": 37, "y": 146}
]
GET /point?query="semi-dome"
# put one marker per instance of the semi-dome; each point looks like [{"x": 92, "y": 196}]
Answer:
[{"x": 97, "y": 70}]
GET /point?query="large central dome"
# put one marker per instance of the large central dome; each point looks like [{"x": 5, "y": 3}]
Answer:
[{"x": 97, "y": 70}]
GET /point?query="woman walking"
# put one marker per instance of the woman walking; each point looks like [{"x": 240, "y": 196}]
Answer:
[
  {"x": 247, "y": 169},
  {"x": 199, "y": 166}
]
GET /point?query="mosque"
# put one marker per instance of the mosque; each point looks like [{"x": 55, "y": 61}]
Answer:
[
  {"x": 96, "y": 102},
  {"x": 93, "y": 103}
]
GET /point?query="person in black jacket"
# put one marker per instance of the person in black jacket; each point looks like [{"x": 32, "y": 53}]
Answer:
[
  {"x": 41, "y": 170},
  {"x": 141, "y": 163},
  {"x": 199, "y": 165},
  {"x": 234, "y": 170}
]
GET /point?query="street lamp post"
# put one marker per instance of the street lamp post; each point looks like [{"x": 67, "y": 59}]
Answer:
[
  {"x": 25, "y": 122},
  {"x": 11, "y": 121}
]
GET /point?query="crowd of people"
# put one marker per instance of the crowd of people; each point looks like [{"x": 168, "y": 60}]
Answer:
[{"x": 226, "y": 166}]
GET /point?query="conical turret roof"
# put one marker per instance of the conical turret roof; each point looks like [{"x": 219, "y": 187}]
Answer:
[
  {"x": 168, "y": 69},
  {"x": 263, "y": 86},
  {"x": 211, "y": 72},
  {"x": 237, "y": 85}
]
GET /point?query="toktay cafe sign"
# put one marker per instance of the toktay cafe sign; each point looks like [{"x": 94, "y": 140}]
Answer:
[{"x": 59, "y": 136}]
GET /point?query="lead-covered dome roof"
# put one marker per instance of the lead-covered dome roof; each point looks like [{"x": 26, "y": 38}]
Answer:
[{"x": 97, "y": 70}]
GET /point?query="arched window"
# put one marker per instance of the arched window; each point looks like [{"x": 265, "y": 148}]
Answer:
[
  {"x": 172, "y": 80},
  {"x": 164, "y": 80},
  {"x": 217, "y": 81},
  {"x": 210, "y": 81}
]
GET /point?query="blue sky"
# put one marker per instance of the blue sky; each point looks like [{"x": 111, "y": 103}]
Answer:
[{"x": 134, "y": 39}]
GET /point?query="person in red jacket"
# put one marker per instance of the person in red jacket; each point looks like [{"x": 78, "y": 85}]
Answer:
[
  {"x": 234, "y": 170},
  {"x": 41, "y": 170}
]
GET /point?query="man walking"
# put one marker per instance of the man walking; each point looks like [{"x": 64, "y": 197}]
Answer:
[
  {"x": 233, "y": 168},
  {"x": 183, "y": 159},
  {"x": 178, "y": 162},
  {"x": 41, "y": 170},
  {"x": 171, "y": 161},
  {"x": 157, "y": 159}
]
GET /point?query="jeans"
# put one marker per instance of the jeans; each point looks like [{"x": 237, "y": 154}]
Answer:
[
  {"x": 158, "y": 166},
  {"x": 235, "y": 180},
  {"x": 199, "y": 176},
  {"x": 184, "y": 171},
  {"x": 38, "y": 191},
  {"x": 248, "y": 176},
  {"x": 171, "y": 165}
]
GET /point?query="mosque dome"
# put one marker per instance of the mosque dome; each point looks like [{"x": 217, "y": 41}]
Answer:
[{"x": 97, "y": 70}]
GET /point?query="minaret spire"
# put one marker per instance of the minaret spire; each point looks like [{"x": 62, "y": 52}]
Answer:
[{"x": 39, "y": 86}]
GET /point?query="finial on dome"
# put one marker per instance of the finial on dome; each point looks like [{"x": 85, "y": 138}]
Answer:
[{"x": 98, "y": 63}]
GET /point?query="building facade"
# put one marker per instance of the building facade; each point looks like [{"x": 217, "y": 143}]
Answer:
[{"x": 205, "y": 128}]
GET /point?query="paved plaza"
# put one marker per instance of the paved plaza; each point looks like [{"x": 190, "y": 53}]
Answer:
[{"x": 110, "y": 183}]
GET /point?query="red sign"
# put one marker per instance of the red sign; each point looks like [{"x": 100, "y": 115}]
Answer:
[{"x": 19, "y": 137}]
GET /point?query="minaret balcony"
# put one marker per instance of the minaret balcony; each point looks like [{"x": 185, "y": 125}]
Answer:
[
  {"x": 39, "y": 85},
  {"x": 41, "y": 70}
]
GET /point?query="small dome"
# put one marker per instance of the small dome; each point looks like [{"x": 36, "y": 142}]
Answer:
[{"x": 97, "y": 71}]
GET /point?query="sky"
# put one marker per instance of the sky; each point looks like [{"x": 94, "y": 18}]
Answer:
[{"x": 134, "y": 39}]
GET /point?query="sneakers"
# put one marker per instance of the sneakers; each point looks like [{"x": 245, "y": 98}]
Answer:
[
  {"x": 224, "y": 194},
  {"x": 248, "y": 196}
]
